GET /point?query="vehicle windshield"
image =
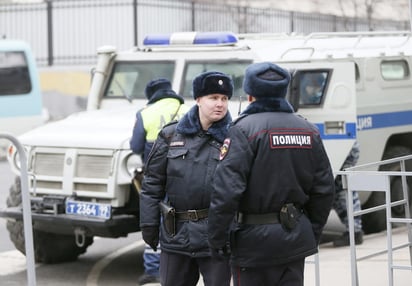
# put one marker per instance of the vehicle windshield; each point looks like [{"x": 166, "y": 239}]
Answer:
[
  {"x": 14, "y": 74},
  {"x": 235, "y": 69},
  {"x": 129, "y": 79}
]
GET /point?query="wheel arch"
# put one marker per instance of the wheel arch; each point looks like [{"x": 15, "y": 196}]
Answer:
[{"x": 401, "y": 139}]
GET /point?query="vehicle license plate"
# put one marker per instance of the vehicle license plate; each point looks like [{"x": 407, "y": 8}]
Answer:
[{"x": 88, "y": 209}]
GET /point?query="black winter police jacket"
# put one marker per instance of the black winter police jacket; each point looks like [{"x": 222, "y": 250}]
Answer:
[
  {"x": 271, "y": 157},
  {"x": 180, "y": 169}
]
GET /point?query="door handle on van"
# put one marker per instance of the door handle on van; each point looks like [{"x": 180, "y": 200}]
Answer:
[{"x": 335, "y": 127}]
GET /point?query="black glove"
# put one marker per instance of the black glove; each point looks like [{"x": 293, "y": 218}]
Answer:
[
  {"x": 150, "y": 235},
  {"x": 222, "y": 253}
]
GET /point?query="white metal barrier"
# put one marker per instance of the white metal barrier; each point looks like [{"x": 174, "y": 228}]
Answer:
[
  {"x": 360, "y": 180},
  {"x": 315, "y": 262},
  {"x": 28, "y": 231}
]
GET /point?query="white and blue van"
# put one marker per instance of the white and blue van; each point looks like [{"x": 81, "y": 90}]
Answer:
[{"x": 21, "y": 107}]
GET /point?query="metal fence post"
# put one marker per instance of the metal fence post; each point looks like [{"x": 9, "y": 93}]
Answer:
[
  {"x": 135, "y": 24},
  {"x": 28, "y": 232},
  {"x": 50, "y": 52},
  {"x": 351, "y": 224}
]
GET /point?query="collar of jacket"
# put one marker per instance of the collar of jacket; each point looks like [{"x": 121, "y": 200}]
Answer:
[
  {"x": 165, "y": 94},
  {"x": 268, "y": 105},
  {"x": 189, "y": 124}
]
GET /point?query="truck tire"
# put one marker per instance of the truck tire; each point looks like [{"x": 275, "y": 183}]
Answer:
[
  {"x": 376, "y": 221},
  {"x": 48, "y": 247}
]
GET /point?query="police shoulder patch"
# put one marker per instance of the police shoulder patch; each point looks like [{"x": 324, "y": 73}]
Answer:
[
  {"x": 224, "y": 149},
  {"x": 290, "y": 139}
]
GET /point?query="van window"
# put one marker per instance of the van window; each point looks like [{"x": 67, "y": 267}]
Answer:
[
  {"x": 312, "y": 87},
  {"x": 394, "y": 70},
  {"x": 235, "y": 69},
  {"x": 14, "y": 73},
  {"x": 129, "y": 79}
]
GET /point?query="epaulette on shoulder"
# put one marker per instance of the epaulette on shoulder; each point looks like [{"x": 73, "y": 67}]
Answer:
[{"x": 240, "y": 117}]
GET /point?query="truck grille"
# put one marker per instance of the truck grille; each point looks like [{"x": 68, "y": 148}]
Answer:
[
  {"x": 93, "y": 166},
  {"x": 68, "y": 171},
  {"x": 49, "y": 164}
]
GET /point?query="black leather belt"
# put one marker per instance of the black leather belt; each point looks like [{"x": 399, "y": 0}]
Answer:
[
  {"x": 192, "y": 215},
  {"x": 267, "y": 218}
]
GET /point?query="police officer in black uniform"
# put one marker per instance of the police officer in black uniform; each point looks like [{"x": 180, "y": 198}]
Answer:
[
  {"x": 177, "y": 184},
  {"x": 275, "y": 180},
  {"x": 163, "y": 105}
]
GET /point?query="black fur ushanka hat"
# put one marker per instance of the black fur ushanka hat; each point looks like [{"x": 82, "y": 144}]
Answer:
[
  {"x": 263, "y": 80},
  {"x": 212, "y": 82}
]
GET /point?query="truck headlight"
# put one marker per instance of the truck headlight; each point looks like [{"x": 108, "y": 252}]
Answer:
[
  {"x": 14, "y": 158},
  {"x": 133, "y": 162}
]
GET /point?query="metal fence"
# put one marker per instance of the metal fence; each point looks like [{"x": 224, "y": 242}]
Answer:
[
  {"x": 362, "y": 178},
  {"x": 69, "y": 31}
]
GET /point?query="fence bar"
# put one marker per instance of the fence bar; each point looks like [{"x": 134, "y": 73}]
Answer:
[
  {"x": 351, "y": 224},
  {"x": 407, "y": 208},
  {"x": 389, "y": 233},
  {"x": 50, "y": 45},
  {"x": 28, "y": 231},
  {"x": 317, "y": 271}
]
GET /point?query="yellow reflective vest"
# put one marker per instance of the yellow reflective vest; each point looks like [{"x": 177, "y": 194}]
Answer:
[{"x": 156, "y": 115}]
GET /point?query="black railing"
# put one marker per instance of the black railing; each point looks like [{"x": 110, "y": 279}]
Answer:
[{"x": 69, "y": 31}]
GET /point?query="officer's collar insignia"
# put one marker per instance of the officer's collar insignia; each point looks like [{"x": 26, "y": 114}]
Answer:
[
  {"x": 177, "y": 143},
  {"x": 224, "y": 149}
]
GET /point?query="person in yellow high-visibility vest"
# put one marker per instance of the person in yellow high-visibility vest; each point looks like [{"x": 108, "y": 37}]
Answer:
[{"x": 163, "y": 106}]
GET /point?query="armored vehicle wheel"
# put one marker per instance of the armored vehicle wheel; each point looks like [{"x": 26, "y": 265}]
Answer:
[
  {"x": 376, "y": 221},
  {"x": 48, "y": 247}
]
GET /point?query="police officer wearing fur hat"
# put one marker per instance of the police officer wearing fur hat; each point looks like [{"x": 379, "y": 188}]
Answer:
[
  {"x": 163, "y": 106},
  {"x": 275, "y": 181},
  {"x": 176, "y": 187}
]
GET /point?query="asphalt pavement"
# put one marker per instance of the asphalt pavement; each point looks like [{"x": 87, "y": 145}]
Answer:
[{"x": 335, "y": 263}]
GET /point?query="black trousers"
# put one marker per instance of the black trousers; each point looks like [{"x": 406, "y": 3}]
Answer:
[
  {"x": 184, "y": 270},
  {"x": 290, "y": 274}
]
